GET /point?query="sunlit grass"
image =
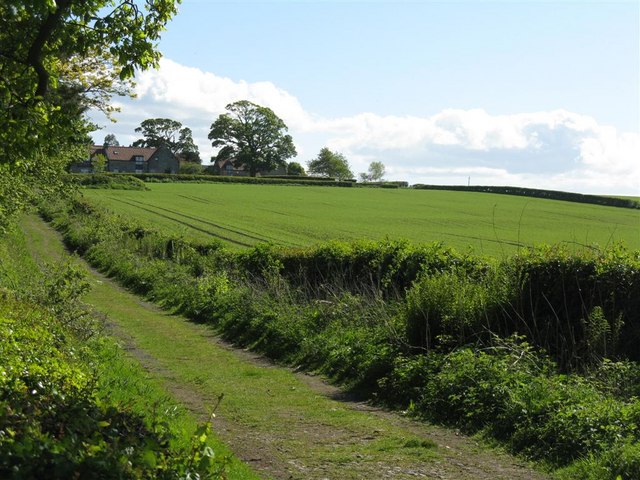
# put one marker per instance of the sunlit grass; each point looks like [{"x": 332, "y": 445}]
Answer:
[{"x": 244, "y": 215}]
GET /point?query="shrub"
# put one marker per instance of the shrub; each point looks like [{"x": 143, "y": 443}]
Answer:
[
  {"x": 108, "y": 181},
  {"x": 52, "y": 424},
  {"x": 453, "y": 308}
]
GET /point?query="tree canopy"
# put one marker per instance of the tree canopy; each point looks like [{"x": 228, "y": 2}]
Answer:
[
  {"x": 252, "y": 136},
  {"x": 294, "y": 168},
  {"x": 57, "y": 60},
  {"x": 110, "y": 140},
  {"x": 169, "y": 133},
  {"x": 330, "y": 164},
  {"x": 375, "y": 173}
]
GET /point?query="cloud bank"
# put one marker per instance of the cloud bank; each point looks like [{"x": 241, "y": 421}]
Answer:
[{"x": 553, "y": 149}]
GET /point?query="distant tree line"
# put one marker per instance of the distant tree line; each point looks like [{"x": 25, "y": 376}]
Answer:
[{"x": 251, "y": 137}]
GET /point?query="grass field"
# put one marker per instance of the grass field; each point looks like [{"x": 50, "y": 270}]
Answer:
[{"x": 244, "y": 215}]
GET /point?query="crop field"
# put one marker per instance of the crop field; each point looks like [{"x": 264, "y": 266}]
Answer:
[{"x": 244, "y": 215}]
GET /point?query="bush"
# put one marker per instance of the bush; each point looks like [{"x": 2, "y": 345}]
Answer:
[
  {"x": 108, "y": 181},
  {"x": 578, "y": 307},
  {"x": 453, "y": 308},
  {"x": 513, "y": 394},
  {"x": 52, "y": 424}
]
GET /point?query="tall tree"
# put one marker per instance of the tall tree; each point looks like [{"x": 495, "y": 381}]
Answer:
[
  {"x": 110, "y": 140},
  {"x": 58, "y": 59},
  {"x": 330, "y": 164},
  {"x": 164, "y": 132},
  {"x": 252, "y": 136},
  {"x": 375, "y": 173},
  {"x": 294, "y": 168}
]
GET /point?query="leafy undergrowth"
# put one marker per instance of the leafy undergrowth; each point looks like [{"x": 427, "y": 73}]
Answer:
[
  {"x": 106, "y": 181},
  {"x": 515, "y": 350},
  {"x": 68, "y": 396}
]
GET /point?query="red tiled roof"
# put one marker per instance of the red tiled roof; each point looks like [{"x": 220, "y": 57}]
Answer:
[{"x": 123, "y": 153}]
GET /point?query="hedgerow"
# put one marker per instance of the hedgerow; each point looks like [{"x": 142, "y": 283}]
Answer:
[
  {"x": 104, "y": 180},
  {"x": 419, "y": 327},
  {"x": 173, "y": 177},
  {"x": 538, "y": 193}
]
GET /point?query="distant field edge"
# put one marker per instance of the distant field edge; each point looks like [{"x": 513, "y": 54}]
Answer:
[
  {"x": 84, "y": 178},
  {"x": 537, "y": 193}
]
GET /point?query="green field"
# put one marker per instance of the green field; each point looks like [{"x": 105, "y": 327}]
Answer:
[{"x": 244, "y": 215}]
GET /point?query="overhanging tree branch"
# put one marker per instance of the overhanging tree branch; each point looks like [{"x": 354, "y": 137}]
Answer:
[{"x": 34, "y": 56}]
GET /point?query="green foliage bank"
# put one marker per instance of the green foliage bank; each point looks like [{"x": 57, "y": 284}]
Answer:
[
  {"x": 536, "y": 351},
  {"x": 71, "y": 404}
]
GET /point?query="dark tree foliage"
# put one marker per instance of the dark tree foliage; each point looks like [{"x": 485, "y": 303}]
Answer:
[
  {"x": 110, "y": 140},
  {"x": 294, "y": 168},
  {"x": 252, "y": 136},
  {"x": 57, "y": 60},
  {"x": 330, "y": 164},
  {"x": 169, "y": 133}
]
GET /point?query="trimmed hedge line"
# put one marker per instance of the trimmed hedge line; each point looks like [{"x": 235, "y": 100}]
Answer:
[
  {"x": 391, "y": 184},
  {"x": 302, "y": 177},
  {"x": 172, "y": 177},
  {"x": 107, "y": 181},
  {"x": 536, "y": 193}
]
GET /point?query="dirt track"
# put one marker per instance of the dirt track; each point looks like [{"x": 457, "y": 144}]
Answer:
[{"x": 316, "y": 433}]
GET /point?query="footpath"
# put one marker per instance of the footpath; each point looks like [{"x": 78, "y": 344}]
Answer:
[{"x": 282, "y": 423}]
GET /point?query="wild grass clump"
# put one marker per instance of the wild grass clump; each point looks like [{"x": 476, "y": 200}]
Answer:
[{"x": 455, "y": 307}]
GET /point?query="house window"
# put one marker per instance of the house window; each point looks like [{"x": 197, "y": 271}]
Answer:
[{"x": 139, "y": 159}]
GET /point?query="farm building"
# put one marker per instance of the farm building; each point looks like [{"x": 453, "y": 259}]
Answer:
[{"x": 130, "y": 160}]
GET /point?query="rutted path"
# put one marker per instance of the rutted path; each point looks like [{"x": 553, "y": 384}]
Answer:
[{"x": 284, "y": 424}]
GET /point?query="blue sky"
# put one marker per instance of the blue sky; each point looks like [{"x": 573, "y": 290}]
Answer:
[{"x": 539, "y": 94}]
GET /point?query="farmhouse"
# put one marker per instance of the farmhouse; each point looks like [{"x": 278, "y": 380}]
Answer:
[{"x": 130, "y": 160}]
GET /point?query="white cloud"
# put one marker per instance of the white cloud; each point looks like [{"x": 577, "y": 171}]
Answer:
[
  {"x": 555, "y": 149},
  {"x": 207, "y": 93}
]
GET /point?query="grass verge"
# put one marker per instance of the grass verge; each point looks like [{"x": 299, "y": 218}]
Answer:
[{"x": 71, "y": 403}]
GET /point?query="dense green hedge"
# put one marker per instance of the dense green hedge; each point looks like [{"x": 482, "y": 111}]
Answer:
[
  {"x": 533, "y": 192},
  {"x": 389, "y": 184},
  {"x": 311, "y": 178},
  {"x": 578, "y": 307},
  {"x": 170, "y": 177},
  {"x": 419, "y": 327},
  {"x": 108, "y": 181}
]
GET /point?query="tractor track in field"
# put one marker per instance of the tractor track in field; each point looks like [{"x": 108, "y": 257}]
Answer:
[
  {"x": 297, "y": 442},
  {"x": 154, "y": 211}
]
